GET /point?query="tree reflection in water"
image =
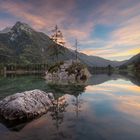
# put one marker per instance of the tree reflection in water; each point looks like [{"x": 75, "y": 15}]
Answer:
[
  {"x": 60, "y": 104},
  {"x": 57, "y": 111},
  {"x": 77, "y": 103}
]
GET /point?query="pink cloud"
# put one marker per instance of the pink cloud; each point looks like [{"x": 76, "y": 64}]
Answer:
[
  {"x": 39, "y": 17},
  {"x": 44, "y": 15},
  {"x": 48, "y": 15}
]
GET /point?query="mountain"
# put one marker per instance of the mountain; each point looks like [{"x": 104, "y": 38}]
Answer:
[
  {"x": 131, "y": 65},
  {"x": 98, "y": 61},
  {"x": 134, "y": 60},
  {"x": 6, "y": 30},
  {"x": 22, "y": 44}
]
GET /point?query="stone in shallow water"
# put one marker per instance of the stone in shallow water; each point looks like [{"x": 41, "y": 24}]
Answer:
[{"x": 25, "y": 105}]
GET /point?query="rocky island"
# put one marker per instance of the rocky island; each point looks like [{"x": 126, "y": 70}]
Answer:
[{"x": 70, "y": 71}]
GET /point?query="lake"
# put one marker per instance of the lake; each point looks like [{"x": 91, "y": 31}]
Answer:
[{"x": 107, "y": 107}]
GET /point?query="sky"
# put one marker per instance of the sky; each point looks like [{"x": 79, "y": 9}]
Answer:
[{"x": 105, "y": 28}]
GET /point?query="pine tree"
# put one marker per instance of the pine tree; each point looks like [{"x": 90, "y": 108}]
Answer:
[{"x": 56, "y": 48}]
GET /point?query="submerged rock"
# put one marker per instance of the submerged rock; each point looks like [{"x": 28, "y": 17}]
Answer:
[{"x": 25, "y": 105}]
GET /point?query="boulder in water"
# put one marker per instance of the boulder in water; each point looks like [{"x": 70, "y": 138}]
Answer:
[{"x": 25, "y": 105}]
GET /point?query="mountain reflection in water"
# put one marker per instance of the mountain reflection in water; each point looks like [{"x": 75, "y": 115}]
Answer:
[{"x": 106, "y": 107}]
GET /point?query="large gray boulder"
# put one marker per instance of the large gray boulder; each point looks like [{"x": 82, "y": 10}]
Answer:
[{"x": 25, "y": 105}]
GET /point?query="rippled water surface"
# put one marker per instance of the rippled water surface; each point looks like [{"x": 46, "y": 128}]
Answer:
[{"x": 107, "y": 107}]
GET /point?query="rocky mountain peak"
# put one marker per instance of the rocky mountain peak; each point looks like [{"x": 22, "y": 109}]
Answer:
[
  {"x": 18, "y": 29},
  {"x": 21, "y": 26}
]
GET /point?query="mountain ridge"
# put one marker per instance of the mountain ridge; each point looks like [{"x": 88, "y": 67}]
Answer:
[
  {"x": 133, "y": 60},
  {"x": 23, "y": 44}
]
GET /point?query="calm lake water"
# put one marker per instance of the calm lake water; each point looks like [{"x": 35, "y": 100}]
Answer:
[{"x": 106, "y": 108}]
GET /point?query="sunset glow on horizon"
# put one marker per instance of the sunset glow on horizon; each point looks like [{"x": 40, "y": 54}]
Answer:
[{"x": 105, "y": 28}]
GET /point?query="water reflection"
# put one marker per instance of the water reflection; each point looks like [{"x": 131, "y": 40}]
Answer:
[
  {"x": 77, "y": 103},
  {"x": 107, "y": 107},
  {"x": 11, "y": 85},
  {"x": 60, "y": 90},
  {"x": 57, "y": 111}
]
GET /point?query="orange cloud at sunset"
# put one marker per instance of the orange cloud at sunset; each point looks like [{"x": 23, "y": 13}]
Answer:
[{"x": 109, "y": 54}]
